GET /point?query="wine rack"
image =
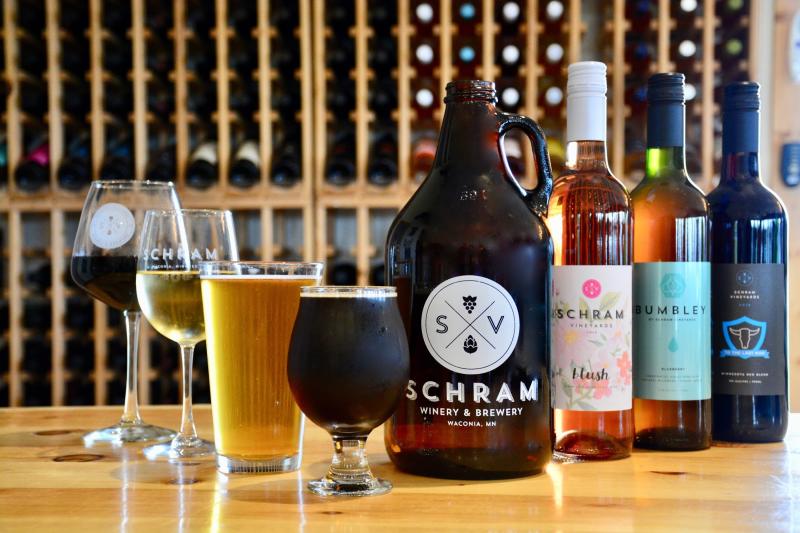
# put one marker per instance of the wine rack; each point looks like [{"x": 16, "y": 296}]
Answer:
[{"x": 313, "y": 120}]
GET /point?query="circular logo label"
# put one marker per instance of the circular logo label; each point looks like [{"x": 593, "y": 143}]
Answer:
[
  {"x": 673, "y": 285},
  {"x": 592, "y": 288},
  {"x": 470, "y": 324},
  {"x": 112, "y": 226},
  {"x": 744, "y": 277}
]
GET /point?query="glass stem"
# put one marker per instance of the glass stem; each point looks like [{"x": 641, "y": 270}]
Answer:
[
  {"x": 188, "y": 429},
  {"x": 349, "y": 459},
  {"x": 131, "y": 413}
]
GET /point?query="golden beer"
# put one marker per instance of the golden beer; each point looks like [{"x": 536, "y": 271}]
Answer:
[{"x": 249, "y": 322}]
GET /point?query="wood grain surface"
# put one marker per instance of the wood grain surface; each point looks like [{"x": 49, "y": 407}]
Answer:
[{"x": 50, "y": 482}]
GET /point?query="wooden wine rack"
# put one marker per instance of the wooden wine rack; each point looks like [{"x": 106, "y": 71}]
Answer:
[{"x": 361, "y": 208}]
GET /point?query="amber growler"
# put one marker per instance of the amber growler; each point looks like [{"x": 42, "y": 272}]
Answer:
[{"x": 470, "y": 257}]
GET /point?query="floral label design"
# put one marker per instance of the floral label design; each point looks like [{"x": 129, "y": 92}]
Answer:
[{"x": 591, "y": 359}]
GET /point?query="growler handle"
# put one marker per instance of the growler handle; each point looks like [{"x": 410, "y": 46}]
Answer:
[{"x": 538, "y": 197}]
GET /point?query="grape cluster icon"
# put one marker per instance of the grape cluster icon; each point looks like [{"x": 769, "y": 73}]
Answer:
[{"x": 469, "y": 303}]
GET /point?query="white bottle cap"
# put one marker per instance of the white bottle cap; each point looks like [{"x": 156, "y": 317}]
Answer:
[
  {"x": 510, "y": 54},
  {"x": 511, "y": 11},
  {"x": 425, "y": 53},
  {"x": 554, "y": 10},
  {"x": 425, "y": 12},
  {"x": 586, "y": 101},
  {"x": 424, "y": 98},
  {"x": 510, "y": 96},
  {"x": 554, "y": 53}
]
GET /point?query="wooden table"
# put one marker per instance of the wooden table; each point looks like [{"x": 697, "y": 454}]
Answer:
[{"x": 50, "y": 482}]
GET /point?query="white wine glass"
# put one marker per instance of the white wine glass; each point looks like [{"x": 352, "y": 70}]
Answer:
[
  {"x": 103, "y": 264},
  {"x": 168, "y": 287}
]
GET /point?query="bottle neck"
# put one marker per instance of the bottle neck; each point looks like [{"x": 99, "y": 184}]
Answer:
[
  {"x": 586, "y": 131},
  {"x": 740, "y": 145},
  {"x": 468, "y": 136},
  {"x": 586, "y": 155},
  {"x": 666, "y": 140}
]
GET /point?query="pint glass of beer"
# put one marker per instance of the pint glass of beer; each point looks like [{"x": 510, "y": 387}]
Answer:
[{"x": 249, "y": 310}]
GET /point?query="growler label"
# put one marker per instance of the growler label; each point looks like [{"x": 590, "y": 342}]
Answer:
[
  {"x": 591, "y": 355},
  {"x": 470, "y": 324},
  {"x": 112, "y": 226},
  {"x": 749, "y": 329}
]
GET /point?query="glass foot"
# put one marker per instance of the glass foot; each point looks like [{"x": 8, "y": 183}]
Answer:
[
  {"x": 178, "y": 450},
  {"x": 127, "y": 432},
  {"x": 236, "y": 465},
  {"x": 369, "y": 486}
]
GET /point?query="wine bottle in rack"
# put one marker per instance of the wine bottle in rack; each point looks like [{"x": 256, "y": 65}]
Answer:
[
  {"x": 340, "y": 16},
  {"x": 200, "y": 55},
  {"x": 75, "y": 171},
  {"x": 340, "y": 165},
  {"x": 510, "y": 97},
  {"x": 383, "y": 99},
  {"x": 160, "y": 98},
  {"x": 80, "y": 313},
  {"x": 118, "y": 158},
  {"x": 74, "y": 53},
  {"x": 510, "y": 55},
  {"x": 245, "y": 165},
  {"x": 243, "y": 55},
  {"x": 672, "y": 285},
  {"x": 159, "y": 55},
  {"x": 79, "y": 356},
  {"x": 341, "y": 100},
  {"x": 37, "y": 314},
  {"x": 284, "y": 17},
  {"x": 382, "y": 160},
  {"x": 79, "y": 391},
  {"x": 117, "y": 96},
  {"x": 243, "y": 96},
  {"x": 343, "y": 271},
  {"x": 425, "y": 13},
  {"x": 285, "y": 60},
  {"x": 33, "y": 172},
  {"x": 33, "y": 59},
  {"x": 161, "y": 164},
  {"x": 423, "y": 152},
  {"x": 286, "y": 168},
  {"x": 116, "y": 15},
  {"x": 32, "y": 96},
  {"x": 510, "y": 13},
  {"x": 285, "y": 98},
  {"x": 117, "y": 54},
  {"x": 38, "y": 274},
  {"x": 202, "y": 168},
  {"x": 3, "y": 316},
  {"x": 75, "y": 96},
  {"x": 383, "y": 55},
  {"x": 592, "y": 378},
  {"x": 36, "y": 392},
  {"x": 377, "y": 273},
  {"x": 749, "y": 255},
  {"x": 202, "y": 97},
  {"x": 3, "y": 161}
]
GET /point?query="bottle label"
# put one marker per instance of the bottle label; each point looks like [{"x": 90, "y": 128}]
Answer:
[
  {"x": 112, "y": 226},
  {"x": 207, "y": 151},
  {"x": 749, "y": 332},
  {"x": 591, "y": 359},
  {"x": 249, "y": 152},
  {"x": 672, "y": 324},
  {"x": 470, "y": 324}
]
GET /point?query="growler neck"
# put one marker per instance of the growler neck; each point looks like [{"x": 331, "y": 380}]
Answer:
[
  {"x": 468, "y": 136},
  {"x": 587, "y": 155}
]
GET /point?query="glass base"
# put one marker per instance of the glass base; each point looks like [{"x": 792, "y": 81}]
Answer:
[
  {"x": 178, "y": 450},
  {"x": 235, "y": 465},
  {"x": 368, "y": 486},
  {"x": 127, "y": 432}
]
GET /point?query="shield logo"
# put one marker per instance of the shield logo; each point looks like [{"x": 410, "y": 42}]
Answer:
[{"x": 744, "y": 334}]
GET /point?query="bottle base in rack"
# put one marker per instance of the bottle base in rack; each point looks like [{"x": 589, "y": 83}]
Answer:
[
  {"x": 126, "y": 433},
  {"x": 187, "y": 449},
  {"x": 580, "y": 446},
  {"x": 671, "y": 439},
  {"x": 237, "y": 465}
]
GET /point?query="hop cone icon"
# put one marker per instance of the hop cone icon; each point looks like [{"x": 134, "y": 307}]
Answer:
[
  {"x": 469, "y": 303},
  {"x": 470, "y": 345}
]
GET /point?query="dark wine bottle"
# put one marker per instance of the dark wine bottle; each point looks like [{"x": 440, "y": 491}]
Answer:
[
  {"x": 202, "y": 97},
  {"x": 80, "y": 391},
  {"x": 202, "y": 169},
  {"x": 160, "y": 98},
  {"x": 340, "y": 165},
  {"x": 75, "y": 53},
  {"x": 343, "y": 271},
  {"x": 79, "y": 355},
  {"x": 161, "y": 165},
  {"x": 285, "y": 98},
  {"x": 80, "y": 313},
  {"x": 75, "y": 170},
  {"x": 382, "y": 160},
  {"x": 245, "y": 165},
  {"x": 749, "y": 279},
  {"x": 32, "y": 96},
  {"x": 159, "y": 56},
  {"x": 33, "y": 173},
  {"x": 200, "y": 55},
  {"x": 38, "y": 274},
  {"x": 116, "y": 16},
  {"x": 37, "y": 314},
  {"x": 243, "y": 96},
  {"x": 286, "y": 167},
  {"x": 243, "y": 55},
  {"x": 32, "y": 58},
  {"x": 75, "y": 96},
  {"x": 383, "y": 56},
  {"x": 117, "y": 96},
  {"x": 117, "y": 54},
  {"x": 285, "y": 60},
  {"x": 118, "y": 161},
  {"x": 383, "y": 99},
  {"x": 341, "y": 100},
  {"x": 4, "y": 323},
  {"x": 377, "y": 273}
]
